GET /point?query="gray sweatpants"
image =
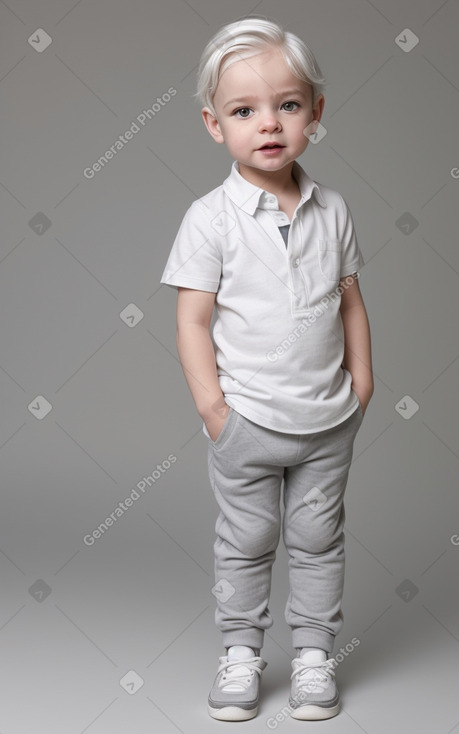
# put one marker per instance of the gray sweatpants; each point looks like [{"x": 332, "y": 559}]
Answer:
[{"x": 247, "y": 464}]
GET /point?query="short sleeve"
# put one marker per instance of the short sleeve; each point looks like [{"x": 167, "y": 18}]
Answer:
[
  {"x": 351, "y": 256},
  {"x": 195, "y": 259}
]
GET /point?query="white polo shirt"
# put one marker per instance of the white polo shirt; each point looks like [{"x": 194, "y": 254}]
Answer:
[{"x": 278, "y": 334}]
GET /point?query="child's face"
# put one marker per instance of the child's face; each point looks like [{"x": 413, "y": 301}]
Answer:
[{"x": 259, "y": 100}]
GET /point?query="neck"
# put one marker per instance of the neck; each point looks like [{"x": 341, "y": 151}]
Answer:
[{"x": 276, "y": 182}]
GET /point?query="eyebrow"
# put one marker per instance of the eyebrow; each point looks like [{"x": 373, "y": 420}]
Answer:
[{"x": 285, "y": 93}]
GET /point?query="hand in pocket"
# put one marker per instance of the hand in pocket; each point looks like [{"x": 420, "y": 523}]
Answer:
[{"x": 215, "y": 424}]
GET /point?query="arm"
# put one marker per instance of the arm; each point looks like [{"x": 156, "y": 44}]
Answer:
[
  {"x": 197, "y": 357},
  {"x": 357, "y": 342}
]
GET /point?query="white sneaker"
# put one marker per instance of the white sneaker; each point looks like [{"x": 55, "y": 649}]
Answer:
[
  {"x": 314, "y": 695},
  {"x": 235, "y": 692}
]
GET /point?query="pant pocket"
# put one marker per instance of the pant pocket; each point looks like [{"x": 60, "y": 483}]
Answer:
[
  {"x": 359, "y": 413},
  {"x": 227, "y": 430}
]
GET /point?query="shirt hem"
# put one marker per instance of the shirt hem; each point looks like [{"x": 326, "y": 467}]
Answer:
[
  {"x": 261, "y": 420},
  {"x": 184, "y": 282},
  {"x": 352, "y": 268}
]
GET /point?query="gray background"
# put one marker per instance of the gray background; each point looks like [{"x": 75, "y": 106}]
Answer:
[{"x": 76, "y": 619}]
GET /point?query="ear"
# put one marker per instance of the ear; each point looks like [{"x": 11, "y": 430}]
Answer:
[
  {"x": 211, "y": 123},
  {"x": 318, "y": 107}
]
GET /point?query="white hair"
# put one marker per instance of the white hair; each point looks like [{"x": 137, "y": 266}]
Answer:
[{"x": 248, "y": 37}]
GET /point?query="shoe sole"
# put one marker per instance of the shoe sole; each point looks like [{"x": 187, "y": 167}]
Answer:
[
  {"x": 232, "y": 713},
  {"x": 314, "y": 713}
]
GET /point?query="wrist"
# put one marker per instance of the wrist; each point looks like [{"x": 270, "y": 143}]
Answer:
[
  {"x": 364, "y": 393},
  {"x": 218, "y": 408},
  {"x": 364, "y": 386}
]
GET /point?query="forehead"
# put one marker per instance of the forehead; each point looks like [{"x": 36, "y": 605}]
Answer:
[{"x": 265, "y": 74}]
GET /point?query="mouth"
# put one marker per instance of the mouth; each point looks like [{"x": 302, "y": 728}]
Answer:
[{"x": 270, "y": 146}]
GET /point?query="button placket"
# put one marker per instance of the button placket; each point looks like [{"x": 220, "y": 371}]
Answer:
[
  {"x": 280, "y": 218},
  {"x": 300, "y": 295},
  {"x": 267, "y": 223},
  {"x": 277, "y": 216}
]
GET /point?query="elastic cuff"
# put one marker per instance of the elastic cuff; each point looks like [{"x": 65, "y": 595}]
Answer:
[
  {"x": 253, "y": 637},
  {"x": 308, "y": 637}
]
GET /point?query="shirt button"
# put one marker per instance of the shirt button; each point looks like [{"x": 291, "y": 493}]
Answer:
[
  {"x": 296, "y": 262},
  {"x": 271, "y": 199}
]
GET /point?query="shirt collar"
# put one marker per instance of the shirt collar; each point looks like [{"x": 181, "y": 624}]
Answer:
[{"x": 247, "y": 196}]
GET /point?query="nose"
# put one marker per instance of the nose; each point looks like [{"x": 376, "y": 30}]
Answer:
[{"x": 269, "y": 122}]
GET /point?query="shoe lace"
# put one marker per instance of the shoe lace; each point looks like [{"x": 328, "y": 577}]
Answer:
[
  {"x": 238, "y": 673},
  {"x": 322, "y": 672}
]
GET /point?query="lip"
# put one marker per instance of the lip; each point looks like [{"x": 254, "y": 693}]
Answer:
[
  {"x": 271, "y": 144},
  {"x": 270, "y": 152}
]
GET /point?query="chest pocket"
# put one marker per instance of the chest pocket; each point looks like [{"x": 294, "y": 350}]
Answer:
[{"x": 330, "y": 259}]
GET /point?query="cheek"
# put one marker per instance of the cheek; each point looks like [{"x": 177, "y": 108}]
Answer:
[
  {"x": 236, "y": 135},
  {"x": 301, "y": 124}
]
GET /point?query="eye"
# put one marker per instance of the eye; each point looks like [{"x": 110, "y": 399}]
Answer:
[
  {"x": 243, "y": 113},
  {"x": 288, "y": 106}
]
